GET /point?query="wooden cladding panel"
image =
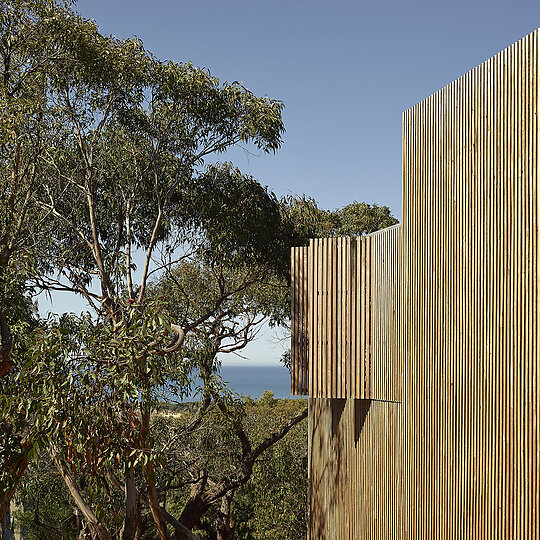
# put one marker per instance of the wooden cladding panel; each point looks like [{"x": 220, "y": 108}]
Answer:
[
  {"x": 355, "y": 469},
  {"x": 385, "y": 316},
  {"x": 470, "y": 233},
  {"x": 299, "y": 321},
  {"x": 346, "y": 311},
  {"x": 458, "y": 458},
  {"x": 332, "y": 294}
]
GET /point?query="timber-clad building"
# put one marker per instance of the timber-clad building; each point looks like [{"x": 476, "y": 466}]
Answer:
[{"x": 418, "y": 344}]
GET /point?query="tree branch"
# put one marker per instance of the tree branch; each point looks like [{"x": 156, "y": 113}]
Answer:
[
  {"x": 248, "y": 460},
  {"x": 77, "y": 495},
  {"x": 153, "y": 501},
  {"x": 131, "y": 517},
  {"x": 168, "y": 518},
  {"x": 129, "y": 276}
]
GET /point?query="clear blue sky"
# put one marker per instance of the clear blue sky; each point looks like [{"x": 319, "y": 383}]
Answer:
[{"x": 346, "y": 70}]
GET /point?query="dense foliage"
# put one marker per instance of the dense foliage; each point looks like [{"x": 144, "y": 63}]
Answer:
[
  {"x": 354, "y": 219},
  {"x": 272, "y": 503}
]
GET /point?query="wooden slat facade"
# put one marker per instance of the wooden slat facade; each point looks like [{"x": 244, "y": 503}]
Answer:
[
  {"x": 455, "y": 453},
  {"x": 470, "y": 222},
  {"x": 384, "y": 315},
  {"x": 345, "y": 311},
  {"x": 299, "y": 321}
]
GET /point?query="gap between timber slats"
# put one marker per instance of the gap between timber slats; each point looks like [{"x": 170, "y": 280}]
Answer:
[{"x": 418, "y": 344}]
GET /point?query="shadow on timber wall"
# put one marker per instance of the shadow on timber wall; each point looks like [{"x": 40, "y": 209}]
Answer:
[
  {"x": 336, "y": 428},
  {"x": 349, "y": 437}
]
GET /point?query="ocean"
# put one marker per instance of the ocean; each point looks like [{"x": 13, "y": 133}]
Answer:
[{"x": 255, "y": 380}]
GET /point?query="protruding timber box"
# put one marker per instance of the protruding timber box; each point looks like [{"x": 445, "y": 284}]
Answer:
[{"x": 346, "y": 310}]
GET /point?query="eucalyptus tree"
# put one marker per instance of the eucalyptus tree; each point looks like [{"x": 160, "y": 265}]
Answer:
[
  {"x": 255, "y": 293},
  {"x": 38, "y": 40},
  {"x": 27, "y": 53},
  {"x": 110, "y": 179},
  {"x": 115, "y": 170},
  {"x": 353, "y": 219},
  {"x": 223, "y": 456},
  {"x": 131, "y": 176},
  {"x": 273, "y": 500}
]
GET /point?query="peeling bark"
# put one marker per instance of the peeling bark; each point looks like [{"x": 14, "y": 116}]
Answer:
[{"x": 131, "y": 517}]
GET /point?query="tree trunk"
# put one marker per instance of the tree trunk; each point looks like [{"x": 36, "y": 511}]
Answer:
[
  {"x": 153, "y": 500},
  {"x": 16, "y": 470},
  {"x": 131, "y": 518},
  {"x": 94, "y": 524},
  {"x": 191, "y": 515},
  {"x": 224, "y": 523}
]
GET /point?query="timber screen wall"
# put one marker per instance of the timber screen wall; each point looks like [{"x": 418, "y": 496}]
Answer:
[
  {"x": 345, "y": 295},
  {"x": 447, "y": 445}
]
